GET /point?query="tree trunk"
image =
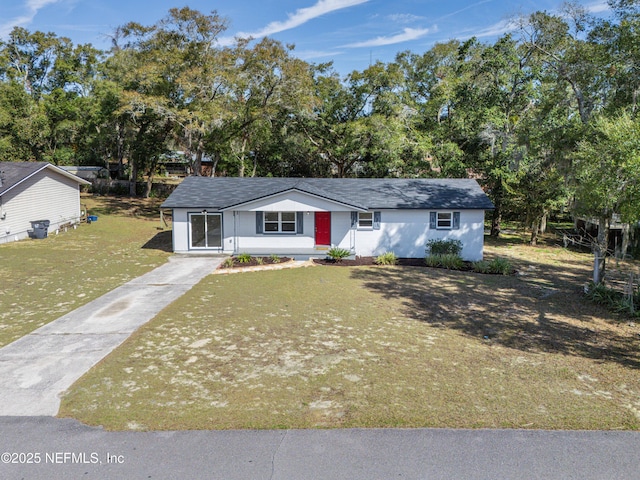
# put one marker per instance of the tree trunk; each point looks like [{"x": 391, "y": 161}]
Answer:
[
  {"x": 241, "y": 167},
  {"x": 120, "y": 147},
  {"x": 149, "y": 185},
  {"x": 495, "y": 223},
  {"x": 600, "y": 250},
  {"x": 197, "y": 164},
  {"x": 626, "y": 239},
  {"x": 133, "y": 179},
  {"x": 214, "y": 165},
  {"x": 543, "y": 223},
  {"x": 534, "y": 233},
  {"x": 255, "y": 164},
  {"x": 497, "y": 212}
]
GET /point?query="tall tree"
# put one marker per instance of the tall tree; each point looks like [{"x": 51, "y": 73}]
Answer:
[
  {"x": 56, "y": 79},
  {"x": 608, "y": 177},
  {"x": 267, "y": 85},
  {"x": 492, "y": 95},
  {"x": 154, "y": 65}
]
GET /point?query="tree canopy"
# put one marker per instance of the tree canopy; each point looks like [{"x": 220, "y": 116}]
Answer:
[{"x": 544, "y": 117}]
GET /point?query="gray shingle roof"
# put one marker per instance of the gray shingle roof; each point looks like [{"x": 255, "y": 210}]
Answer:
[
  {"x": 360, "y": 193},
  {"x": 12, "y": 173}
]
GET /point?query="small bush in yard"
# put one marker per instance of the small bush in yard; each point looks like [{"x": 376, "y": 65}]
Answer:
[
  {"x": 614, "y": 300},
  {"x": 275, "y": 258},
  {"x": 244, "y": 258},
  {"x": 444, "y": 247},
  {"x": 387, "y": 258},
  {"x": 259, "y": 260},
  {"x": 338, "y": 254},
  {"x": 448, "y": 261},
  {"x": 500, "y": 266},
  {"x": 228, "y": 263}
]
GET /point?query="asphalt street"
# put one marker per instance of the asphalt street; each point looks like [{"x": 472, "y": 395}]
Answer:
[{"x": 50, "y": 448}]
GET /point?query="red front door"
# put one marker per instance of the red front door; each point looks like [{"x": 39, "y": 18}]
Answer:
[{"x": 323, "y": 228}]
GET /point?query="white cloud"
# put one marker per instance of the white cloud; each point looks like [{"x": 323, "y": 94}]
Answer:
[
  {"x": 404, "y": 18},
  {"x": 407, "y": 35},
  {"x": 311, "y": 54},
  {"x": 598, "y": 7},
  {"x": 497, "y": 29},
  {"x": 477, "y": 4},
  {"x": 32, "y": 7},
  {"x": 303, "y": 15}
]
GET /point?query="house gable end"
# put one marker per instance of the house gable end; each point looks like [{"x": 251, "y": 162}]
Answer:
[
  {"x": 294, "y": 200},
  {"x": 13, "y": 174}
]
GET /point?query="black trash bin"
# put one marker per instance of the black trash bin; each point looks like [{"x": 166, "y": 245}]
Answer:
[{"x": 40, "y": 228}]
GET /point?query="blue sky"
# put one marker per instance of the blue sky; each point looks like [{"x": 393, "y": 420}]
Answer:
[{"x": 351, "y": 33}]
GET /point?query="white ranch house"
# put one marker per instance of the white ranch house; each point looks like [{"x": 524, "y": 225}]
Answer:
[
  {"x": 35, "y": 191},
  {"x": 303, "y": 217}
]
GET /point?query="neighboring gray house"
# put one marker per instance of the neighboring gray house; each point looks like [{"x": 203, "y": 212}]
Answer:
[
  {"x": 88, "y": 173},
  {"x": 34, "y": 191},
  {"x": 305, "y": 216}
]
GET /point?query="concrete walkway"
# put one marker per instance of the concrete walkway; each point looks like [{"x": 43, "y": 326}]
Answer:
[{"x": 37, "y": 368}]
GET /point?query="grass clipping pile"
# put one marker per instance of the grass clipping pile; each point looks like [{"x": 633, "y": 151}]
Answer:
[{"x": 375, "y": 347}]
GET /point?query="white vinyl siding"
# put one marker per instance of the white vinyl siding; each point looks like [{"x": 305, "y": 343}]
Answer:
[
  {"x": 47, "y": 195},
  {"x": 405, "y": 232}
]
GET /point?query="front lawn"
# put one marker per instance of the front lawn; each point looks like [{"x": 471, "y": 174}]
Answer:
[
  {"x": 376, "y": 347},
  {"x": 45, "y": 279}
]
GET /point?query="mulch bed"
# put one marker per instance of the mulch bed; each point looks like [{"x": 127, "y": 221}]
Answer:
[
  {"x": 402, "y": 262},
  {"x": 255, "y": 262},
  {"x": 360, "y": 261}
]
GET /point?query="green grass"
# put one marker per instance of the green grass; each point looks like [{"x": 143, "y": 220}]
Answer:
[
  {"x": 328, "y": 347},
  {"x": 45, "y": 279}
]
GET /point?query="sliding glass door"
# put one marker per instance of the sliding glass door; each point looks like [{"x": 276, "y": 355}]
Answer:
[{"x": 206, "y": 230}]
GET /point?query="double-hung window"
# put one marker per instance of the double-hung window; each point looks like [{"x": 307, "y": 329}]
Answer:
[
  {"x": 444, "y": 221},
  {"x": 365, "y": 219},
  {"x": 280, "y": 222}
]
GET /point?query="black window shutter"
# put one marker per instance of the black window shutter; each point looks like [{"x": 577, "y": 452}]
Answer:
[
  {"x": 432, "y": 220},
  {"x": 354, "y": 219},
  {"x": 376, "y": 220},
  {"x": 259, "y": 222},
  {"x": 456, "y": 221},
  {"x": 299, "y": 223}
]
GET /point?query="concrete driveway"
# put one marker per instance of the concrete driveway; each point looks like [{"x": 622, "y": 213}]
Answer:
[{"x": 37, "y": 368}]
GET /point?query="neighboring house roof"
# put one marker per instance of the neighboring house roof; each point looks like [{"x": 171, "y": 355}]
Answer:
[
  {"x": 360, "y": 193},
  {"x": 13, "y": 174}
]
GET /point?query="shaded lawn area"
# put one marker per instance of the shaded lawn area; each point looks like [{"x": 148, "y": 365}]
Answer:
[
  {"x": 325, "y": 347},
  {"x": 45, "y": 279}
]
